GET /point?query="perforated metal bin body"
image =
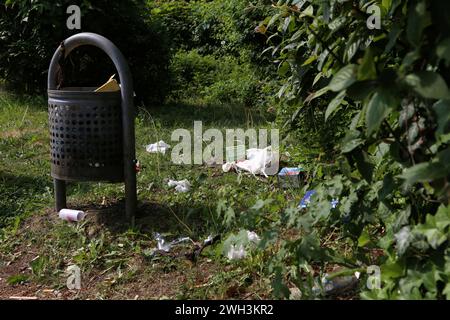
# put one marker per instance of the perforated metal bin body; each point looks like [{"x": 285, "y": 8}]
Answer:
[
  {"x": 92, "y": 133},
  {"x": 85, "y": 135}
]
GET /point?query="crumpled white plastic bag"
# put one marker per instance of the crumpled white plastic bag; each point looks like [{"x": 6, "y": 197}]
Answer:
[
  {"x": 236, "y": 253},
  {"x": 259, "y": 161},
  {"x": 253, "y": 237},
  {"x": 228, "y": 166},
  {"x": 180, "y": 186},
  {"x": 159, "y": 146}
]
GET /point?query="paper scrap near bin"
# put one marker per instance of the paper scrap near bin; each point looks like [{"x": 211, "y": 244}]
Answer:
[{"x": 92, "y": 131}]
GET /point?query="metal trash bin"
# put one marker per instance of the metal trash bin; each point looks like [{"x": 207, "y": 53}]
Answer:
[{"x": 92, "y": 133}]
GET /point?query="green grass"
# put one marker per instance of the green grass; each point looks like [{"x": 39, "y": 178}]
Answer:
[{"x": 113, "y": 257}]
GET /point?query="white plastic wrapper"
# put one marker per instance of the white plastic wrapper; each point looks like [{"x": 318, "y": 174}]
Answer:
[
  {"x": 71, "y": 215},
  {"x": 159, "y": 146},
  {"x": 259, "y": 161},
  {"x": 228, "y": 166},
  {"x": 236, "y": 253},
  {"x": 162, "y": 245},
  {"x": 253, "y": 237},
  {"x": 180, "y": 186}
]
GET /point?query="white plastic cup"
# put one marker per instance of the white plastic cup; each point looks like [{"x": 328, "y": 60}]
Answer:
[{"x": 71, "y": 215}]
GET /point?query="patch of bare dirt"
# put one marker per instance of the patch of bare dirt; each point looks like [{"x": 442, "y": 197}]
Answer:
[{"x": 151, "y": 279}]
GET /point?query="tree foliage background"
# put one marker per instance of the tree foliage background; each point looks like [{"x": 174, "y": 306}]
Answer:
[{"x": 385, "y": 93}]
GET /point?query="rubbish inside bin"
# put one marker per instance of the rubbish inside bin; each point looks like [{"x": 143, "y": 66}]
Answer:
[
  {"x": 71, "y": 215},
  {"x": 110, "y": 85}
]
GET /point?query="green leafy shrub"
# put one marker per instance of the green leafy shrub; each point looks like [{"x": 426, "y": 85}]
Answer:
[
  {"x": 214, "y": 79},
  {"x": 190, "y": 73},
  {"x": 216, "y": 51}
]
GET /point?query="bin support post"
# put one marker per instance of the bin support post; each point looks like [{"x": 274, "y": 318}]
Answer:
[
  {"x": 128, "y": 112},
  {"x": 60, "y": 194}
]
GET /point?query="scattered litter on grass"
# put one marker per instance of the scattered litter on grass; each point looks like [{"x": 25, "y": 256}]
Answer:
[
  {"x": 259, "y": 161},
  {"x": 236, "y": 253},
  {"x": 306, "y": 200},
  {"x": 226, "y": 167},
  {"x": 137, "y": 166},
  {"x": 162, "y": 245},
  {"x": 71, "y": 215},
  {"x": 253, "y": 237},
  {"x": 208, "y": 240},
  {"x": 236, "y": 245},
  {"x": 159, "y": 146},
  {"x": 334, "y": 203},
  {"x": 337, "y": 285},
  {"x": 22, "y": 298},
  {"x": 290, "y": 171},
  {"x": 290, "y": 177},
  {"x": 295, "y": 294},
  {"x": 180, "y": 186},
  {"x": 403, "y": 239}
]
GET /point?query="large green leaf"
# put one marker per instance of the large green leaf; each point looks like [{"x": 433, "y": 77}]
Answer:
[
  {"x": 367, "y": 70},
  {"x": 351, "y": 141},
  {"x": 378, "y": 108},
  {"x": 334, "y": 104},
  {"x": 392, "y": 270},
  {"x": 364, "y": 165},
  {"x": 442, "y": 109},
  {"x": 423, "y": 172},
  {"x": 443, "y": 50},
  {"x": 442, "y": 218},
  {"x": 343, "y": 78},
  {"x": 418, "y": 20},
  {"x": 363, "y": 239},
  {"x": 317, "y": 94},
  {"x": 361, "y": 90},
  {"x": 428, "y": 84}
]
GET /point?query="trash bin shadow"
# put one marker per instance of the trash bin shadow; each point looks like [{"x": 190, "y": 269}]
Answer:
[{"x": 150, "y": 217}]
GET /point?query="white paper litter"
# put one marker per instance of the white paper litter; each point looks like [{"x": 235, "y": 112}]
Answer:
[
  {"x": 259, "y": 161},
  {"x": 159, "y": 146},
  {"x": 180, "y": 186},
  {"x": 162, "y": 245},
  {"x": 253, "y": 237},
  {"x": 228, "y": 166},
  {"x": 236, "y": 253}
]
